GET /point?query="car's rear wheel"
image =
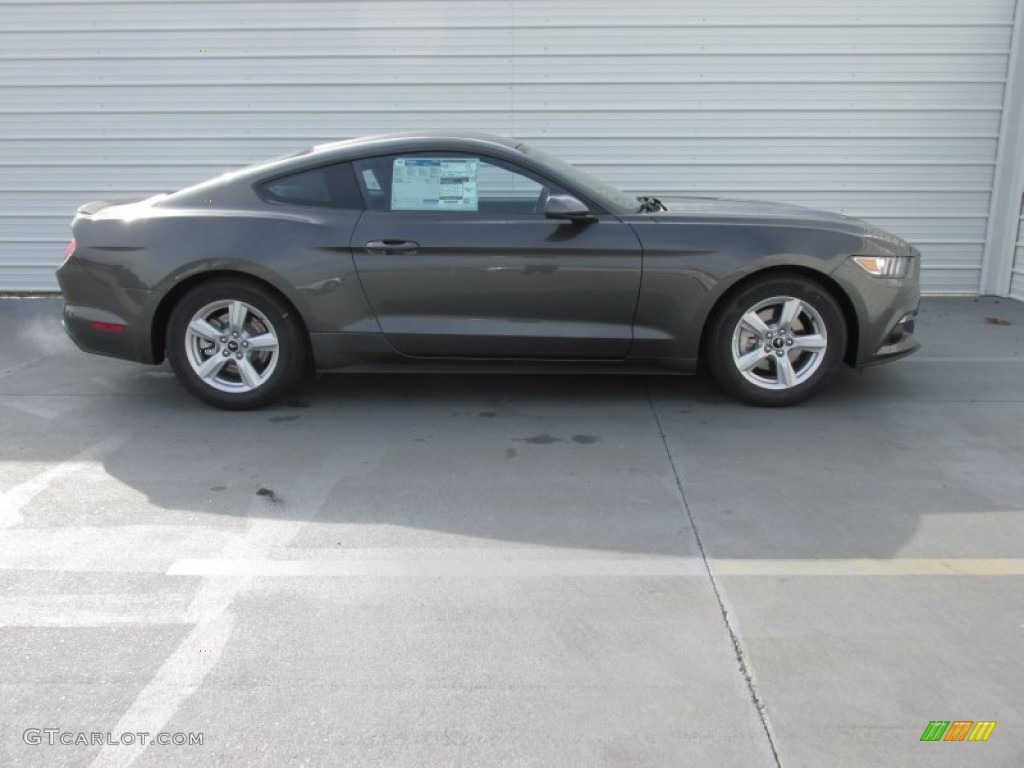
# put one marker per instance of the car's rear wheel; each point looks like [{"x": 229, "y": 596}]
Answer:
[
  {"x": 235, "y": 344},
  {"x": 777, "y": 341}
]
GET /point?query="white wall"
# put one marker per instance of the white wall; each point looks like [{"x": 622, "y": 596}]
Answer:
[{"x": 887, "y": 109}]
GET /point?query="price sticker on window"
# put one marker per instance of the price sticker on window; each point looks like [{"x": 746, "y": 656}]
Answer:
[{"x": 434, "y": 184}]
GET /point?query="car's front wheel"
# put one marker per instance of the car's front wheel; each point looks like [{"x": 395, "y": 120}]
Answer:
[
  {"x": 777, "y": 341},
  {"x": 235, "y": 344}
]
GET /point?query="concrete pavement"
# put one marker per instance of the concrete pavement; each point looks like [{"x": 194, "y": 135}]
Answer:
[{"x": 418, "y": 570}]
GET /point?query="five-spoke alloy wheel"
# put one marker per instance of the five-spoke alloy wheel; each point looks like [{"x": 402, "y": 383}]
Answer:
[
  {"x": 777, "y": 341},
  {"x": 235, "y": 344}
]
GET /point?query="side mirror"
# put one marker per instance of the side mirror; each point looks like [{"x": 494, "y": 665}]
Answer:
[{"x": 566, "y": 207}]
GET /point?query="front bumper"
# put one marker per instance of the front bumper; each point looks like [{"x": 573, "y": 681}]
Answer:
[
  {"x": 900, "y": 342},
  {"x": 886, "y": 309}
]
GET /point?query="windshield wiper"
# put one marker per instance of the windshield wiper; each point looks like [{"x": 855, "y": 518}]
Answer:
[{"x": 650, "y": 204}]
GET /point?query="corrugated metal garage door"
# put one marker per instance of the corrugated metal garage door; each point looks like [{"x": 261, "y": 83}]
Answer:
[{"x": 887, "y": 109}]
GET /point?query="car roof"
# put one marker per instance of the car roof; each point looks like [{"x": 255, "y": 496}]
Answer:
[
  {"x": 473, "y": 137},
  {"x": 363, "y": 146},
  {"x": 384, "y": 143}
]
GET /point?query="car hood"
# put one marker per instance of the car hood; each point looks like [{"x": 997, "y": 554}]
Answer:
[
  {"x": 686, "y": 209},
  {"x": 718, "y": 206}
]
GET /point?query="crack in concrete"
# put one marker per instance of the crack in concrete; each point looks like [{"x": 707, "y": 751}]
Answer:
[{"x": 741, "y": 657}]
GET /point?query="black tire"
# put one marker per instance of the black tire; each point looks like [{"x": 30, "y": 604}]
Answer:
[
  {"x": 811, "y": 348},
  {"x": 270, "y": 373}
]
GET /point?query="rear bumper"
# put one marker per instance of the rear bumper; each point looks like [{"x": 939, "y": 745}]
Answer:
[
  {"x": 100, "y": 339},
  {"x": 92, "y": 308}
]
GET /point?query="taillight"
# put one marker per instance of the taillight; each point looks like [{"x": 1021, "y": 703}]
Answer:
[
  {"x": 69, "y": 250},
  {"x": 108, "y": 327}
]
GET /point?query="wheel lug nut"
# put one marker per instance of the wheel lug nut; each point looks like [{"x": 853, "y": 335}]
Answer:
[
  {"x": 227, "y": 353},
  {"x": 789, "y": 342},
  {"x": 767, "y": 347},
  {"x": 246, "y": 343},
  {"x": 239, "y": 356},
  {"x": 223, "y": 339},
  {"x": 778, "y": 353},
  {"x": 768, "y": 335},
  {"x": 235, "y": 334}
]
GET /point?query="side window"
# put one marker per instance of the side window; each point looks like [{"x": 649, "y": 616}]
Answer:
[
  {"x": 332, "y": 186},
  {"x": 448, "y": 182},
  {"x": 498, "y": 184}
]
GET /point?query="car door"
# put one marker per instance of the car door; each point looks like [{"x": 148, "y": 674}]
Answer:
[{"x": 457, "y": 259}]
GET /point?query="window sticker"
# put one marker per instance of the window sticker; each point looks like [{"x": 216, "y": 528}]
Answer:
[
  {"x": 370, "y": 179},
  {"x": 434, "y": 184}
]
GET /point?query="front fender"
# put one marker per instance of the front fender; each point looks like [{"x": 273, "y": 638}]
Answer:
[{"x": 688, "y": 266}]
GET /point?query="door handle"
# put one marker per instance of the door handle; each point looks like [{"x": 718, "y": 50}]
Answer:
[{"x": 392, "y": 246}]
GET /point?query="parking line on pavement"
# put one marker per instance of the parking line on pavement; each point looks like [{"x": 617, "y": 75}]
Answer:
[
  {"x": 15, "y": 499},
  {"x": 964, "y": 359},
  {"x": 652, "y": 567},
  {"x": 437, "y": 567},
  {"x": 940, "y": 566},
  {"x": 184, "y": 670}
]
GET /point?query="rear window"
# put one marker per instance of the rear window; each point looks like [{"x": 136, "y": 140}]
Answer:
[{"x": 332, "y": 186}]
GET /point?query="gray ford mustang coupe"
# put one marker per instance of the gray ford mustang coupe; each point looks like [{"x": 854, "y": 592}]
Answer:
[{"x": 475, "y": 252}]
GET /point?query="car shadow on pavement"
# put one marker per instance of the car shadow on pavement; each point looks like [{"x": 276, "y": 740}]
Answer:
[{"x": 576, "y": 462}]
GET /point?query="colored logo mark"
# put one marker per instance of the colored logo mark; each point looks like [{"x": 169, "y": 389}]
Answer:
[{"x": 958, "y": 730}]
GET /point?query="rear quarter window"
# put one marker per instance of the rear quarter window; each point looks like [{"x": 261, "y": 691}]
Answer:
[{"x": 331, "y": 186}]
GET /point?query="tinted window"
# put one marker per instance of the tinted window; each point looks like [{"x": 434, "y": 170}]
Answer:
[
  {"x": 604, "y": 192},
  {"x": 333, "y": 186},
  {"x": 447, "y": 182}
]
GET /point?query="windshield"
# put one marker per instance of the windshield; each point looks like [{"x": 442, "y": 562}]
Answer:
[{"x": 618, "y": 200}]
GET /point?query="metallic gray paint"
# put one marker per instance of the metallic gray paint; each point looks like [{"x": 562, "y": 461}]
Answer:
[
  {"x": 637, "y": 287},
  {"x": 548, "y": 289}
]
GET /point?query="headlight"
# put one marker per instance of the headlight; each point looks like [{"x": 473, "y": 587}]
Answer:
[{"x": 884, "y": 266}]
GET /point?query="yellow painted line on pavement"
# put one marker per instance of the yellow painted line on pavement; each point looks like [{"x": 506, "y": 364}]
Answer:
[{"x": 943, "y": 566}]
